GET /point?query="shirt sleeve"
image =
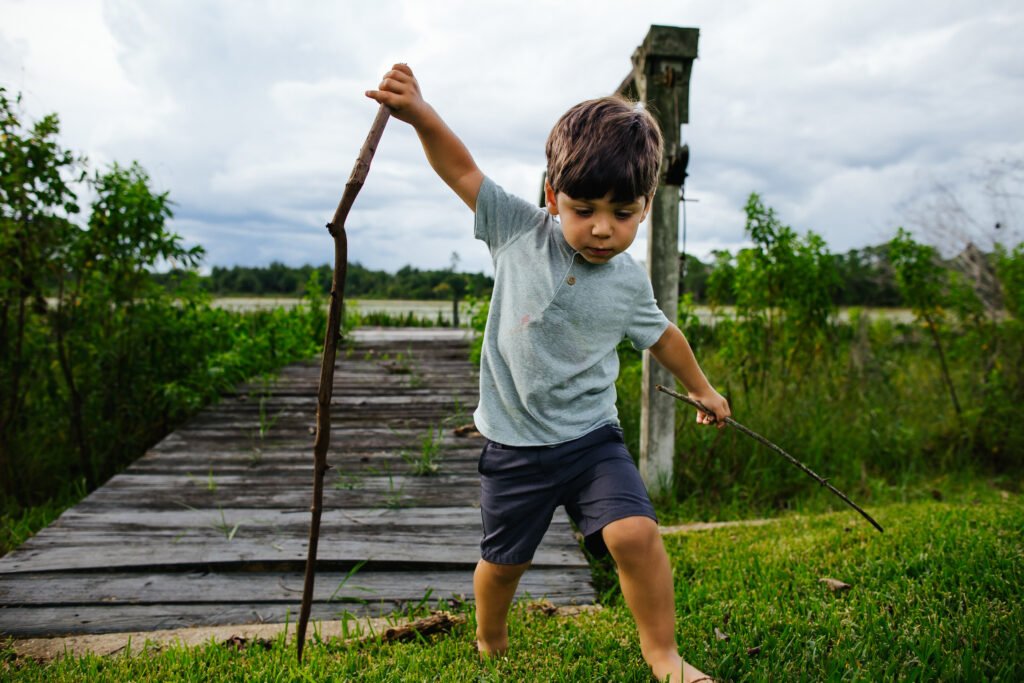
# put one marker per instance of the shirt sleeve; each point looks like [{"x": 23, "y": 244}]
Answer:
[
  {"x": 501, "y": 217},
  {"x": 647, "y": 323}
]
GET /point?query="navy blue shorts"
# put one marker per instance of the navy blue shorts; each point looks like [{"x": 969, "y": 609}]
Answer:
[{"x": 593, "y": 476}]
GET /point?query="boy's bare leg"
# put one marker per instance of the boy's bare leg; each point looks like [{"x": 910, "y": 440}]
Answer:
[
  {"x": 645, "y": 576},
  {"x": 494, "y": 586}
]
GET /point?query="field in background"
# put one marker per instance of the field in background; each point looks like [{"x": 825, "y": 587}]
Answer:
[
  {"x": 430, "y": 310},
  {"x": 426, "y": 310}
]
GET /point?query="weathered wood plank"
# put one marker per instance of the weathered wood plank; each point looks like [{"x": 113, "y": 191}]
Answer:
[
  {"x": 52, "y": 621},
  {"x": 193, "y": 538},
  {"x": 270, "y": 462},
  {"x": 93, "y": 550},
  {"x": 106, "y": 588},
  {"x": 164, "y": 492},
  {"x": 426, "y": 518}
]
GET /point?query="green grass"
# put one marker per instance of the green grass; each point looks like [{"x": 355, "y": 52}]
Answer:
[
  {"x": 937, "y": 597},
  {"x": 18, "y": 524}
]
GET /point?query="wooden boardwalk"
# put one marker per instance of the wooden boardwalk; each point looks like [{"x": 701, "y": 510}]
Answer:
[{"x": 210, "y": 527}]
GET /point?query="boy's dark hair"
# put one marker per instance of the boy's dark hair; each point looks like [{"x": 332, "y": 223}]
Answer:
[{"x": 602, "y": 145}]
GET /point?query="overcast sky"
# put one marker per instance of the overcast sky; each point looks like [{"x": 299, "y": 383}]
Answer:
[{"x": 251, "y": 114}]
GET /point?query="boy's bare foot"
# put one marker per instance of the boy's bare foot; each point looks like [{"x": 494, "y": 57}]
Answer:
[
  {"x": 679, "y": 671},
  {"x": 488, "y": 652}
]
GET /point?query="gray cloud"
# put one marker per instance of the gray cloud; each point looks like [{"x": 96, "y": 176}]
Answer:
[{"x": 251, "y": 114}]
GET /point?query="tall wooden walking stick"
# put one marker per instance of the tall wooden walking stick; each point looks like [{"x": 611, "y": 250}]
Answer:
[
  {"x": 754, "y": 435},
  {"x": 323, "y": 410}
]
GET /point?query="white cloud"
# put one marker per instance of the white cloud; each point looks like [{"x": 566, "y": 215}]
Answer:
[{"x": 251, "y": 113}]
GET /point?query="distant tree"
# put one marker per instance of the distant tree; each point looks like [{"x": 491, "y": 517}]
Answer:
[
  {"x": 865, "y": 278},
  {"x": 924, "y": 282},
  {"x": 693, "y": 278}
]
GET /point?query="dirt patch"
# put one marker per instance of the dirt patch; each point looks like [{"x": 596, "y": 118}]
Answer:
[{"x": 108, "y": 644}]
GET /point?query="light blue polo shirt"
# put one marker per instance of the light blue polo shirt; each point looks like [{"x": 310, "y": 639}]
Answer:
[{"x": 548, "y": 367}]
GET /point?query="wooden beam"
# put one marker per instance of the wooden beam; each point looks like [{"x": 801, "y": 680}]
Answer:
[{"x": 661, "y": 78}]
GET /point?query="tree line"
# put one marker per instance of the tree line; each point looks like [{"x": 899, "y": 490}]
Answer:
[
  {"x": 863, "y": 277},
  {"x": 360, "y": 282}
]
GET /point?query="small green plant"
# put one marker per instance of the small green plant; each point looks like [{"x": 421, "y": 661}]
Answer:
[
  {"x": 350, "y": 481},
  {"x": 416, "y": 379},
  {"x": 209, "y": 485},
  {"x": 257, "y": 435},
  {"x": 349, "y": 575},
  {"x": 427, "y": 462},
  {"x": 229, "y": 530},
  {"x": 460, "y": 414},
  {"x": 222, "y": 525},
  {"x": 394, "y": 499}
]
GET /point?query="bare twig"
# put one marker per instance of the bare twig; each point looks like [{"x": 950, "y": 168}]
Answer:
[
  {"x": 324, "y": 393},
  {"x": 754, "y": 435},
  {"x": 437, "y": 622}
]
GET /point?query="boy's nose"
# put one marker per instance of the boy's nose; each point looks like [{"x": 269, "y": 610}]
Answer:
[{"x": 601, "y": 228}]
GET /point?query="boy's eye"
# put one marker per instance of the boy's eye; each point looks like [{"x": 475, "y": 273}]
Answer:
[
  {"x": 584, "y": 212},
  {"x": 623, "y": 215}
]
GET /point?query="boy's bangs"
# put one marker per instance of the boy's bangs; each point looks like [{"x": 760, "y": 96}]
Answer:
[{"x": 601, "y": 178}]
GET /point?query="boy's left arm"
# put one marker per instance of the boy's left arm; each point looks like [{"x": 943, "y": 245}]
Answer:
[{"x": 674, "y": 353}]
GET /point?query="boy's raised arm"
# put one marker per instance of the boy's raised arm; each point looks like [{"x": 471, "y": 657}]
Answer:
[{"x": 400, "y": 91}]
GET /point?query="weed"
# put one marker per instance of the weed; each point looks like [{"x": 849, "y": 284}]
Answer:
[
  {"x": 222, "y": 525},
  {"x": 349, "y": 481},
  {"x": 416, "y": 379},
  {"x": 427, "y": 461},
  {"x": 348, "y": 576},
  {"x": 394, "y": 499},
  {"x": 257, "y": 435},
  {"x": 210, "y": 484},
  {"x": 460, "y": 412}
]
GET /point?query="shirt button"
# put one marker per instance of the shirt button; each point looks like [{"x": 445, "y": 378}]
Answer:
[{"x": 571, "y": 280}]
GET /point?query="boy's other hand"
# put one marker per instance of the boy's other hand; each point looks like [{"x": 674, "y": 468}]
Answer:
[
  {"x": 400, "y": 92},
  {"x": 714, "y": 402}
]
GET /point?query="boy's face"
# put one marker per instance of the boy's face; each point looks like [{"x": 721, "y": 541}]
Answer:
[{"x": 597, "y": 228}]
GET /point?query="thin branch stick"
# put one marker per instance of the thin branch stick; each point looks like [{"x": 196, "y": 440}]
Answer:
[
  {"x": 323, "y": 411},
  {"x": 754, "y": 435}
]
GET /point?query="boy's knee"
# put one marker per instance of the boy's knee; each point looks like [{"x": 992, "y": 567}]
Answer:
[
  {"x": 631, "y": 537},
  {"x": 504, "y": 573}
]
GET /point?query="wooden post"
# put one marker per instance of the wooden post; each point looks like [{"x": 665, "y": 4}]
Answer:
[{"x": 661, "y": 79}]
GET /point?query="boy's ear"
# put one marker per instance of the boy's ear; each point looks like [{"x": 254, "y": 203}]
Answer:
[
  {"x": 549, "y": 199},
  {"x": 647, "y": 208}
]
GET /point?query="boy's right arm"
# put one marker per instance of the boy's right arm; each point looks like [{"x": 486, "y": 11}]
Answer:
[{"x": 400, "y": 92}]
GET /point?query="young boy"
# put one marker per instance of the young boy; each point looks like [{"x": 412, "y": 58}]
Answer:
[{"x": 564, "y": 296}]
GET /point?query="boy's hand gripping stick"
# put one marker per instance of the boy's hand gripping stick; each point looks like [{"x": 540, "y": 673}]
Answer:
[
  {"x": 323, "y": 411},
  {"x": 754, "y": 435}
]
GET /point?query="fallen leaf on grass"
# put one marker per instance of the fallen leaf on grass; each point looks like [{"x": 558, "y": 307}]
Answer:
[
  {"x": 543, "y": 607},
  {"x": 551, "y": 610},
  {"x": 752, "y": 651},
  {"x": 836, "y": 585},
  {"x": 720, "y": 634},
  {"x": 240, "y": 643}
]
